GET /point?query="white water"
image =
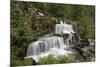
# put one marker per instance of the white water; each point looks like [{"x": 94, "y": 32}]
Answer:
[
  {"x": 64, "y": 28},
  {"x": 52, "y": 45},
  {"x": 44, "y": 45}
]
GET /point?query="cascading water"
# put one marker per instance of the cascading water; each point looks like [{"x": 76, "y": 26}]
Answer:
[
  {"x": 53, "y": 44},
  {"x": 70, "y": 40},
  {"x": 63, "y": 28}
]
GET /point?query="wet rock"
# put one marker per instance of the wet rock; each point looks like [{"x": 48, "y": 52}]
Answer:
[{"x": 34, "y": 62}]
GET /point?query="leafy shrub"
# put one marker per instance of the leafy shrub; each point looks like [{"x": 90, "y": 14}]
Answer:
[
  {"x": 48, "y": 60},
  {"x": 51, "y": 60},
  {"x": 66, "y": 59}
]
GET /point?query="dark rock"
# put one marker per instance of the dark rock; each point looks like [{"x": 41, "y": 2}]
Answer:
[{"x": 34, "y": 62}]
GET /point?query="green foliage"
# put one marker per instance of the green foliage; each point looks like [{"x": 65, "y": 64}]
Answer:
[
  {"x": 65, "y": 59},
  {"x": 48, "y": 60},
  {"x": 52, "y": 60},
  {"x": 20, "y": 62}
]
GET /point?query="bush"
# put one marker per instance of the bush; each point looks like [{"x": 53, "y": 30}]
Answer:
[
  {"x": 48, "y": 60},
  {"x": 66, "y": 59},
  {"x": 51, "y": 60}
]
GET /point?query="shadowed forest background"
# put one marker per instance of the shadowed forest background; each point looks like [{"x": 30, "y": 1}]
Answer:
[{"x": 31, "y": 20}]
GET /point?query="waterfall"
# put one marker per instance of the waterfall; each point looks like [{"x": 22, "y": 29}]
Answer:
[
  {"x": 70, "y": 40},
  {"x": 44, "y": 45},
  {"x": 64, "y": 28},
  {"x": 52, "y": 44}
]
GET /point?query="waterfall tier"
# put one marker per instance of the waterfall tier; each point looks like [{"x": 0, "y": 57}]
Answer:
[
  {"x": 64, "y": 28},
  {"x": 44, "y": 45}
]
